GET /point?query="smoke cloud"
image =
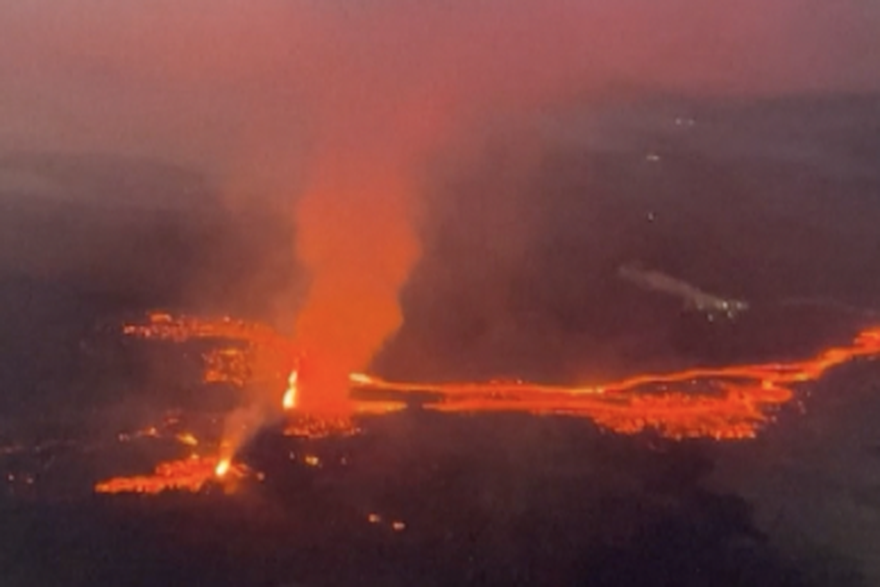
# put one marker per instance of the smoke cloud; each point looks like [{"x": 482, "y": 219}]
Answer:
[{"x": 331, "y": 109}]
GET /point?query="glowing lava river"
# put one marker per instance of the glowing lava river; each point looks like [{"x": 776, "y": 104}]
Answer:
[{"x": 724, "y": 403}]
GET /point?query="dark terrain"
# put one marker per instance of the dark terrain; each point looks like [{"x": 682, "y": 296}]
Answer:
[{"x": 776, "y": 203}]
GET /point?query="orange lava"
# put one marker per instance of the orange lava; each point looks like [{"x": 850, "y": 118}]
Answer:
[
  {"x": 189, "y": 474},
  {"x": 723, "y": 403},
  {"x": 304, "y": 426},
  {"x": 246, "y": 352}
]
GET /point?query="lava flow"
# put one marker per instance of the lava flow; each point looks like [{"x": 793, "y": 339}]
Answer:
[
  {"x": 721, "y": 403},
  {"x": 245, "y": 352},
  {"x": 189, "y": 474}
]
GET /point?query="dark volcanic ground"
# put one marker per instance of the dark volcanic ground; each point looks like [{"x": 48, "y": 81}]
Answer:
[
  {"x": 485, "y": 501},
  {"x": 776, "y": 203}
]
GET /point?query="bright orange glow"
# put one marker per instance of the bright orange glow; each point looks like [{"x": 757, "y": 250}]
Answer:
[
  {"x": 288, "y": 402},
  {"x": 723, "y": 403},
  {"x": 354, "y": 235},
  {"x": 187, "y": 439},
  {"x": 222, "y": 467},
  {"x": 359, "y": 378},
  {"x": 246, "y": 352},
  {"x": 189, "y": 474},
  {"x": 305, "y": 426}
]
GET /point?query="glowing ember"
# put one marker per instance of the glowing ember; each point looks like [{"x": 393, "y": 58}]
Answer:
[
  {"x": 360, "y": 378},
  {"x": 189, "y": 474}
]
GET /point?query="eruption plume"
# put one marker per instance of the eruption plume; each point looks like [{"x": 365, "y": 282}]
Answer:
[{"x": 355, "y": 236}]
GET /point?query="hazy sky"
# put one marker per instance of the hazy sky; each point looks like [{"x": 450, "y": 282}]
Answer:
[{"x": 242, "y": 87}]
